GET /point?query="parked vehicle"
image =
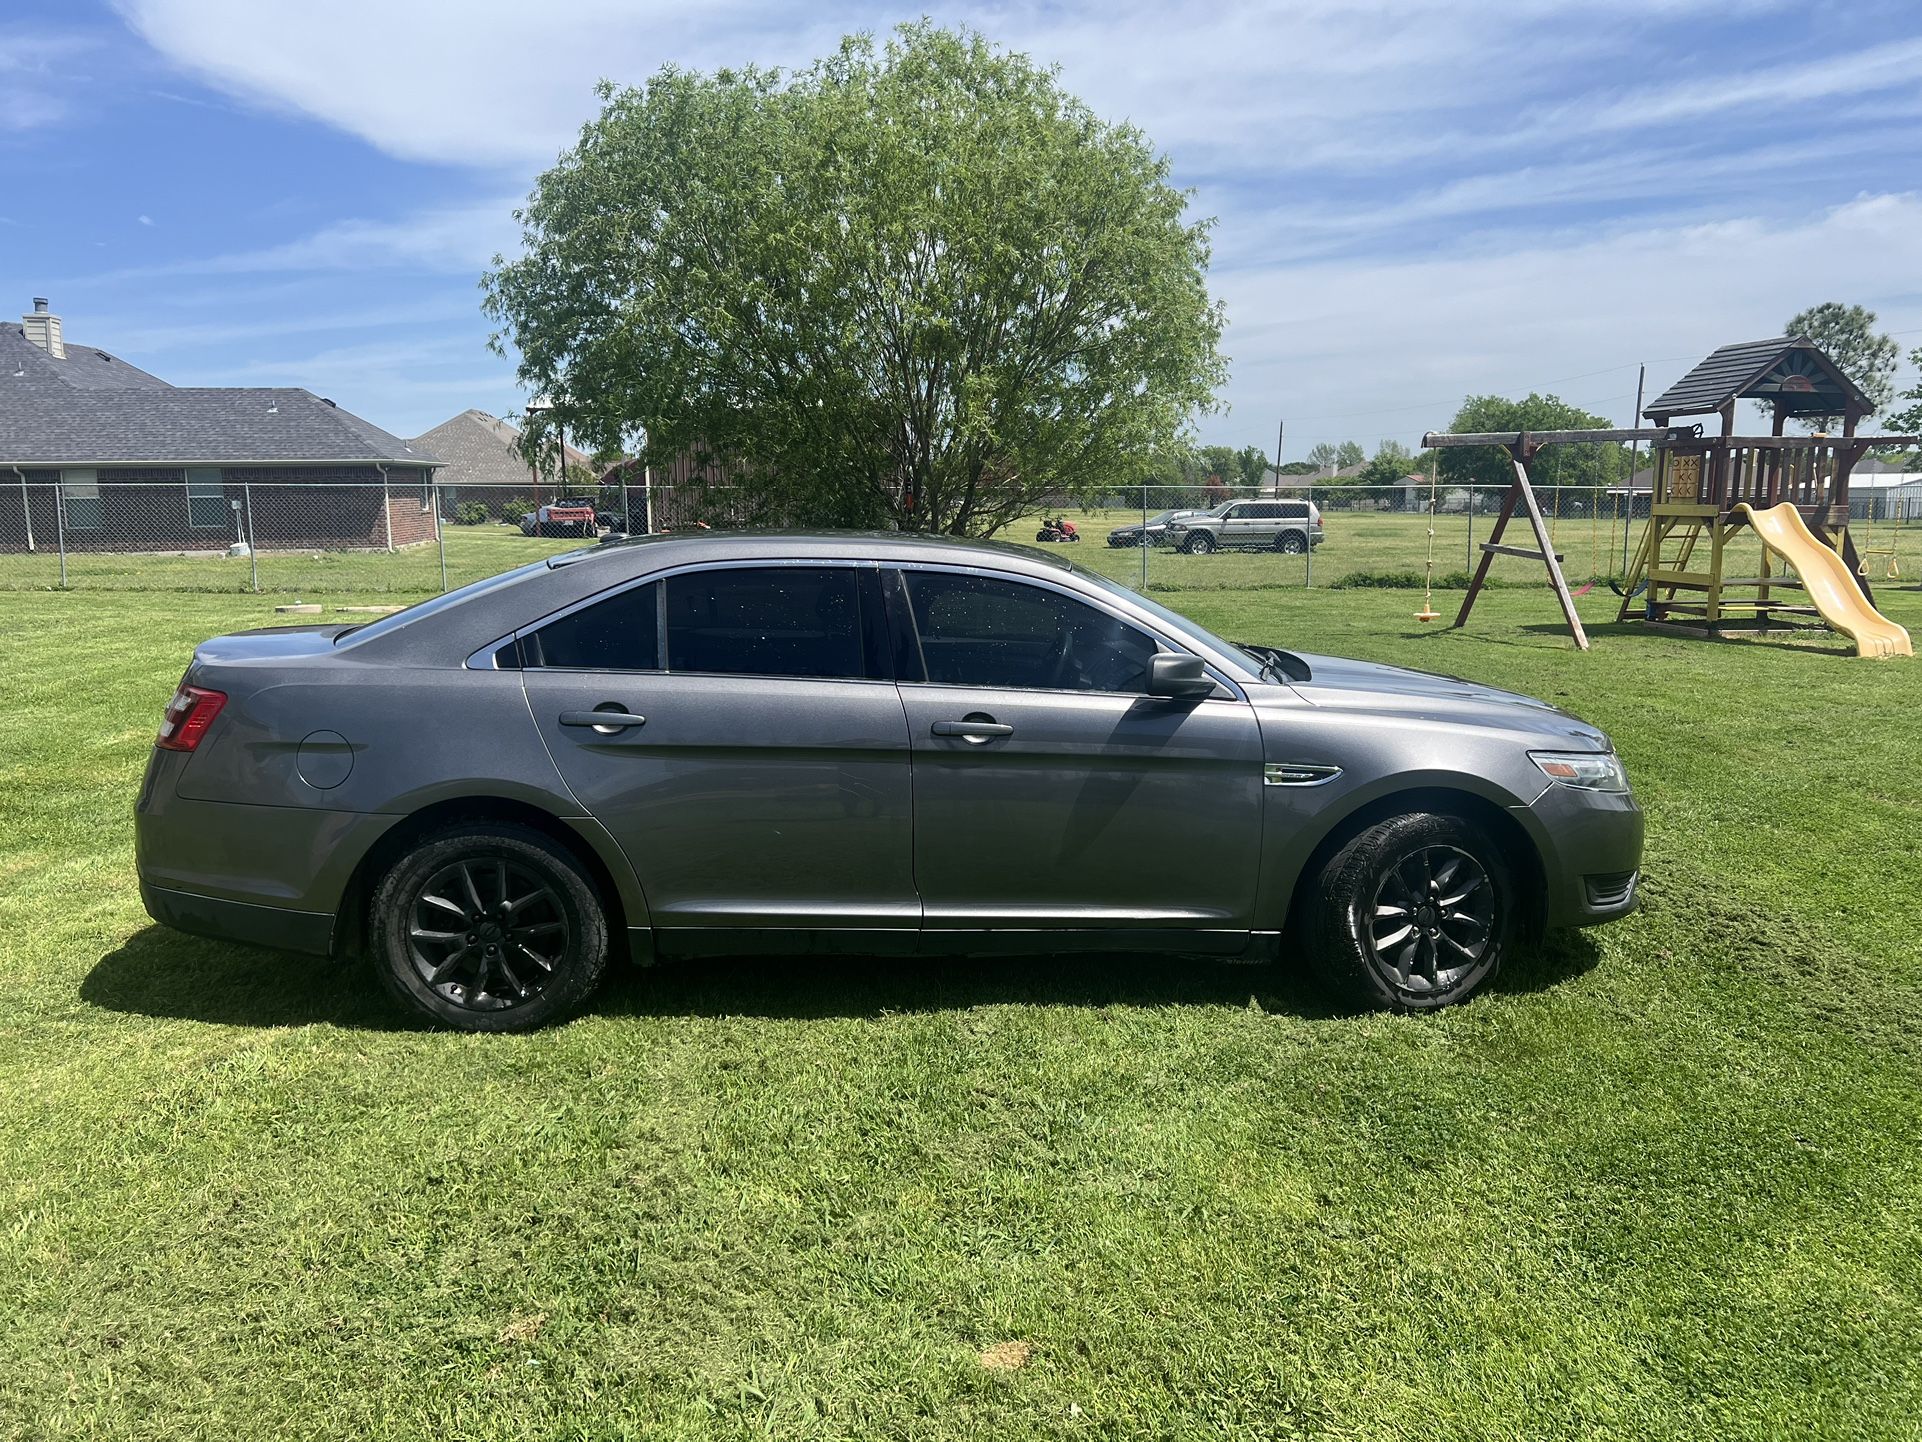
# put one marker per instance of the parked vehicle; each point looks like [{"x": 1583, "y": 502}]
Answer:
[
  {"x": 696, "y": 744},
  {"x": 1146, "y": 533},
  {"x": 1057, "y": 529},
  {"x": 561, "y": 518},
  {"x": 1291, "y": 526}
]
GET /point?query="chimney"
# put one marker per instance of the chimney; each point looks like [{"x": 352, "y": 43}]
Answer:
[{"x": 43, "y": 329}]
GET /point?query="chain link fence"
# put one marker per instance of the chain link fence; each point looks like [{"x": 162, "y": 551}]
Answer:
[{"x": 354, "y": 538}]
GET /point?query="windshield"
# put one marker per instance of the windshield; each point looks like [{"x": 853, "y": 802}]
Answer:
[{"x": 1178, "y": 623}]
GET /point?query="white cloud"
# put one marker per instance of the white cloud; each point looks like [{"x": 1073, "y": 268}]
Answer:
[
  {"x": 1387, "y": 348},
  {"x": 32, "y": 62},
  {"x": 498, "y": 82},
  {"x": 454, "y": 240},
  {"x": 146, "y": 220}
]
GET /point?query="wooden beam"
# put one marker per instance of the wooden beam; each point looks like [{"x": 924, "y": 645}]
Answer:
[
  {"x": 1433, "y": 440},
  {"x": 1522, "y": 551}
]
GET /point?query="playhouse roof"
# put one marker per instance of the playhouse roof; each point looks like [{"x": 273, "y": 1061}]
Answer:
[{"x": 1790, "y": 372}]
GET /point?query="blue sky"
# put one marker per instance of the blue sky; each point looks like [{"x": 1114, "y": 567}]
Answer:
[{"x": 1416, "y": 200}]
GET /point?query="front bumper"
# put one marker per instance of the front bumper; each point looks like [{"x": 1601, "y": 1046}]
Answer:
[{"x": 1591, "y": 849}]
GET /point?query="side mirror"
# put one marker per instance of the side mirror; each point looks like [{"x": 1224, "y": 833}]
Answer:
[{"x": 1174, "y": 675}]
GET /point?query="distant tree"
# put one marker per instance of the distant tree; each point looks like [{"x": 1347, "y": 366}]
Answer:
[
  {"x": 1908, "y": 420},
  {"x": 1390, "y": 463},
  {"x": 1299, "y": 468},
  {"x": 1324, "y": 456},
  {"x": 1349, "y": 453},
  {"x": 916, "y": 284},
  {"x": 1251, "y": 463},
  {"x": 1847, "y": 335},
  {"x": 1571, "y": 465},
  {"x": 1218, "y": 465}
]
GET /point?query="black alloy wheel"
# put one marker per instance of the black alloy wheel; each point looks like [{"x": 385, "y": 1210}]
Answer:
[
  {"x": 1434, "y": 918},
  {"x": 489, "y": 928},
  {"x": 1413, "y": 914}
]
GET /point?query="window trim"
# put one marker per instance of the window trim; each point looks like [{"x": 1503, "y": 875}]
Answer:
[
  {"x": 521, "y": 637},
  {"x": 220, "y": 494},
  {"x": 68, "y": 495},
  {"x": 1162, "y": 640}
]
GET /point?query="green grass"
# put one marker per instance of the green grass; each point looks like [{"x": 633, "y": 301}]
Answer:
[{"x": 1665, "y": 1182}]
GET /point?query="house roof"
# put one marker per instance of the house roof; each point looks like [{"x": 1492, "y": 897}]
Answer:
[
  {"x": 1791, "y": 372},
  {"x": 91, "y": 408},
  {"x": 479, "y": 450}
]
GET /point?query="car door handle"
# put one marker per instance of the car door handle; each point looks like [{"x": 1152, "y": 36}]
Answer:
[
  {"x": 972, "y": 730},
  {"x": 608, "y": 720}
]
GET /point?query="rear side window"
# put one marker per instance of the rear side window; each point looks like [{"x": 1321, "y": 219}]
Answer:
[
  {"x": 765, "y": 621},
  {"x": 978, "y": 631},
  {"x": 622, "y": 633}
]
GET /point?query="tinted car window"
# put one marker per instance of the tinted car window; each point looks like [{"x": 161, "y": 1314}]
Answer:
[
  {"x": 621, "y": 633},
  {"x": 765, "y": 621},
  {"x": 976, "y": 631}
]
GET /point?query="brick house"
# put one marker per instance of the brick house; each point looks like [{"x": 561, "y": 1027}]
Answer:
[
  {"x": 99, "y": 455},
  {"x": 481, "y": 464}
]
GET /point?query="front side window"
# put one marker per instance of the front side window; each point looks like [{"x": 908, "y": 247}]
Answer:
[
  {"x": 765, "y": 621},
  {"x": 80, "y": 497},
  {"x": 207, "y": 508},
  {"x": 622, "y": 633},
  {"x": 982, "y": 631}
]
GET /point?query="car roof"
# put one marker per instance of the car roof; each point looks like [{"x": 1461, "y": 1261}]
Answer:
[{"x": 858, "y": 545}]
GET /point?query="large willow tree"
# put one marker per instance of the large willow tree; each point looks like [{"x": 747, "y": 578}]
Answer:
[{"x": 918, "y": 286}]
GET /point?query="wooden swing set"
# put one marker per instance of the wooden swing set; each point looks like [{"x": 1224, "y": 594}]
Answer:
[{"x": 1705, "y": 489}]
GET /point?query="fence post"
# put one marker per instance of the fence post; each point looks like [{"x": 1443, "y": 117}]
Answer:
[
  {"x": 386, "y": 508},
  {"x": 253, "y": 542},
  {"x": 1144, "y": 536},
  {"x": 1468, "y": 556},
  {"x": 440, "y": 529},
  {"x": 1308, "y": 556},
  {"x": 26, "y": 507},
  {"x": 60, "y": 527}
]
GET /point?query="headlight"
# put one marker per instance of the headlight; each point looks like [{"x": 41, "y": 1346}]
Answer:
[{"x": 1590, "y": 770}]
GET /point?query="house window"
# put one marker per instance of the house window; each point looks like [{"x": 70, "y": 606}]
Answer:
[
  {"x": 80, "y": 498},
  {"x": 206, "y": 499}
]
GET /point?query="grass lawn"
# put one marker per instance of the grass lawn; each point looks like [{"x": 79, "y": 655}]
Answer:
[{"x": 1665, "y": 1182}]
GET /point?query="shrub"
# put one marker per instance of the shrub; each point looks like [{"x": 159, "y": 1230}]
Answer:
[{"x": 471, "y": 513}]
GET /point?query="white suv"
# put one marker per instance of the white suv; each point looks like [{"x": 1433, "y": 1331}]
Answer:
[{"x": 1290, "y": 526}]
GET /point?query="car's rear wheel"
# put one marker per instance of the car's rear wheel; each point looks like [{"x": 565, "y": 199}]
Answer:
[
  {"x": 1199, "y": 544},
  {"x": 489, "y": 928},
  {"x": 1291, "y": 542},
  {"x": 1415, "y": 913}
]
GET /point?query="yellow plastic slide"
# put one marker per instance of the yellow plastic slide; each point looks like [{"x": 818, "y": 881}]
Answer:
[{"x": 1831, "y": 588}]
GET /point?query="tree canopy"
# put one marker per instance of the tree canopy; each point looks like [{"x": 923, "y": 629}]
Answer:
[
  {"x": 1908, "y": 420},
  {"x": 917, "y": 285},
  {"x": 1847, "y": 335}
]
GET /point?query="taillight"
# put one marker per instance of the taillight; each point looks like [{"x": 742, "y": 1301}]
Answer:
[{"x": 189, "y": 714}]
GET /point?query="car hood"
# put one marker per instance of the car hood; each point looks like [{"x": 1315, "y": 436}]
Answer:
[{"x": 1341, "y": 684}]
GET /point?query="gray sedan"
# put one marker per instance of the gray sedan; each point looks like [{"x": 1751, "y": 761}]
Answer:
[{"x": 718, "y": 743}]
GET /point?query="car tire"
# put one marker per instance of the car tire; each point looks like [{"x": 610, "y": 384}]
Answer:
[
  {"x": 1199, "y": 544},
  {"x": 488, "y": 928},
  {"x": 1291, "y": 543},
  {"x": 1435, "y": 875}
]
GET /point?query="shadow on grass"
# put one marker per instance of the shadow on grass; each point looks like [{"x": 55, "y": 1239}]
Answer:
[{"x": 161, "y": 973}]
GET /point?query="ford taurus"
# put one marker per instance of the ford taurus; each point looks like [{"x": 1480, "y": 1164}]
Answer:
[{"x": 718, "y": 743}]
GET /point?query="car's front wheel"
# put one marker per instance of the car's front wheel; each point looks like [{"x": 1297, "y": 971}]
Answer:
[
  {"x": 1413, "y": 914},
  {"x": 1199, "y": 544},
  {"x": 489, "y": 928}
]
